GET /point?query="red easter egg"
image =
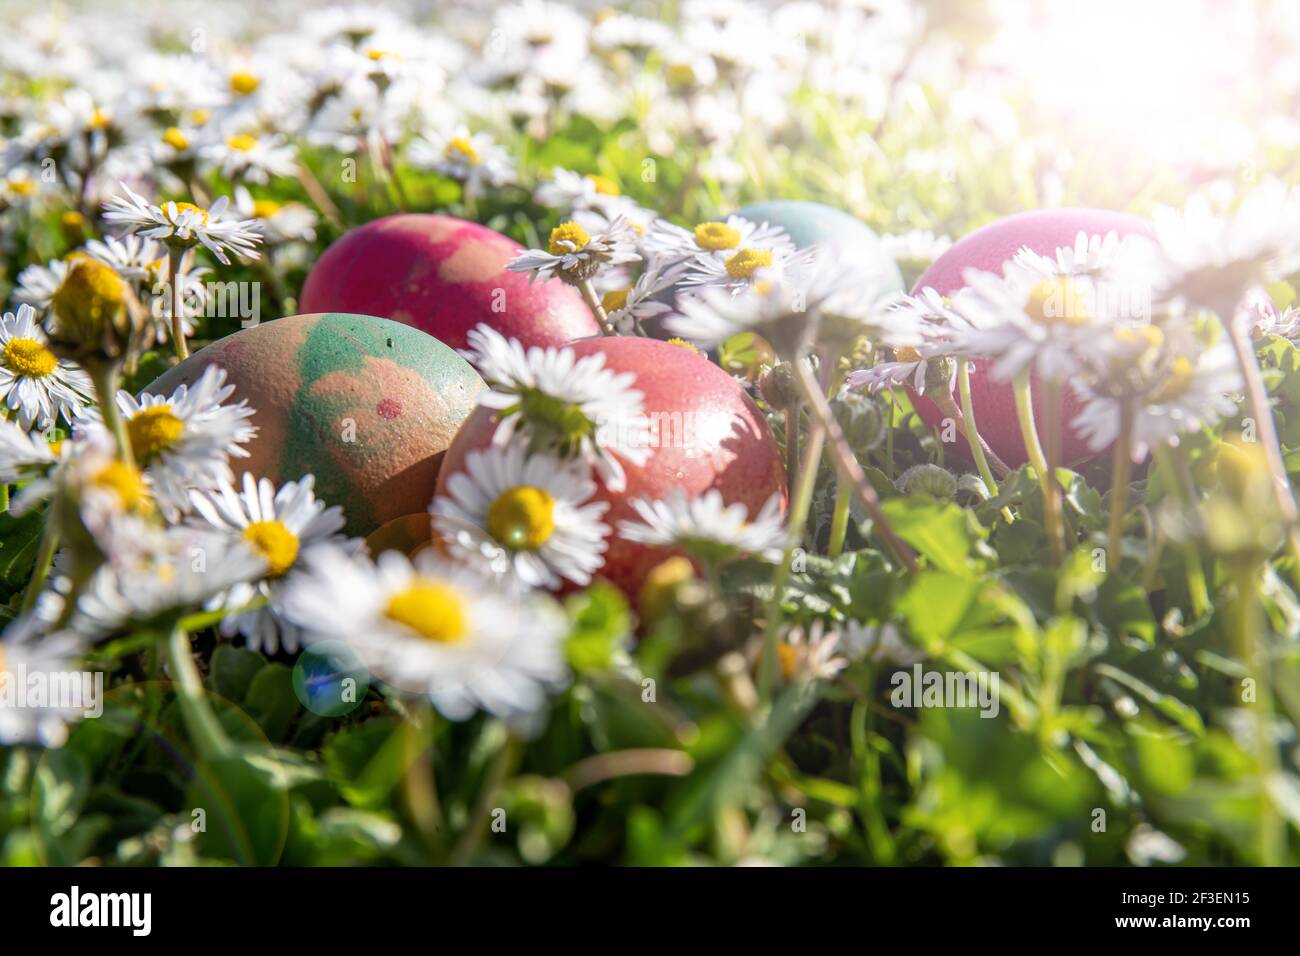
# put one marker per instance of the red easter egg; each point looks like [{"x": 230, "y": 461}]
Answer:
[
  {"x": 1043, "y": 231},
  {"x": 710, "y": 435},
  {"x": 444, "y": 276}
]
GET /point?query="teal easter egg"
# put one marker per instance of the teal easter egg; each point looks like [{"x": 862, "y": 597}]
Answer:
[
  {"x": 808, "y": 223},
  {"x": 367, "y": 405}
]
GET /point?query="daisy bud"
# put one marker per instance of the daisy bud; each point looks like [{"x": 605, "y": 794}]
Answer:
[
  {"x": 658, "y": 595},
  {"x": 860, "y": 419},
  {"x": 92, "y": 313},
  {"x": 939, "y": 375},
  {"x": 778, "y": 387},
  {"x": 928, "y": 480}
]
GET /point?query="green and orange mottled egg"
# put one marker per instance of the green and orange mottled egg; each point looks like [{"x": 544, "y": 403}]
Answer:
[{"x": 365, "y": 404}]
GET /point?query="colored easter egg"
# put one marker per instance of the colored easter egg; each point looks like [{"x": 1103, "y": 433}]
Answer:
[
  {"x": 808, "y": 223},
  {"x": 706, "y": 433},
  {"x": 444, "y": 276},
  {"x": 987, "y": 249},
  {"x": 367, "y": 405}
]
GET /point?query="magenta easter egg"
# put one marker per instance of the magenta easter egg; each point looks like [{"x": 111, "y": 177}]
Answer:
[
  {"x": 443, "y": 276},
  {"x": 987, "y": 249},
  {"x": 706, "y": 433},
  {"x": 366, "y": 405}
]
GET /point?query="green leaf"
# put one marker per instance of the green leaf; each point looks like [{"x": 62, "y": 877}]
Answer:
[
  {"x": 20, "y": 539},
  {"x": 948, "y": 536},
  {"x": 272, "y": 702},
  {"x": 368, "y": 761},
  {"x": 1173, "y": 708},
  {"x": 601, "y": 625},
  {"x": 233, "y": 670}
]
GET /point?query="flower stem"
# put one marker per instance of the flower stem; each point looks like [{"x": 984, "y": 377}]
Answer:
[
  {"x": 791, "y": 446},
  {"x": 204, "y": 728},
  {"x": 840, "y": 517},
  {"x": 593, "y": 302},
  {"x": 1173, "y": 460},
  {"x": 1121, "y": 474},
  {"x": 105, "y": 377},
  {"x": 1262, "y": 412},
  {"x": 181, "y": 346},
  {"x": 800, "y": 502},
  {"x": 472, "y": 837},
  {"x": 1046, "y": 479},
  {"x": 850, "y": 471},
  {"x": 973, "y": 439},
  {"x": 1251, "y": 649},
  {"x": 316, "y": 192},
  {"x": 44, "y": 561}
]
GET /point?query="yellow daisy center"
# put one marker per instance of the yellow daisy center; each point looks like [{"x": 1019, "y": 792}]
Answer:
[
  {"x": 680, "y": 76},
  {"x": 431, "y": 608},
  {"x": 126, "y": 482},
  {"x": 604, "y": 185},
  {"x": 1056, "y": 301},
  {"x": 90, "y": 291},
  {"x": 788, "y": 657},
  {"x": 177, "y": 140},
  {"x": 907, "y": 354},
  {"x": 22, "y": 187},
  {"x": 460, "y": 148},
  {"x": 683, "y": 344},
  {"x": 716, "y": 235},
  {"x": 71, "y": 219},
  {"x": 376, "y": 54},
  {"x": 153, "y": 431},
  {"x": 614, "y": 300},
  {"x": 242, "y": 142},
  {"x": 522, "y": 518},
  {"x": 30, "y": 358},
  {"x": 265, "y": 208},
  {"x": 243, "y": 82},
  {"x": 274, "y": 542},
  {"x": 1177, "y": 380},
  {"x": 568, "y": 237},
  {"x": 99, "y": 119},
  {"x": 743, "y": 264},
  {"x": 1148, "y": 336},
  {"x": 190, "y": 207},
  {"x": 200, "y": 116}
]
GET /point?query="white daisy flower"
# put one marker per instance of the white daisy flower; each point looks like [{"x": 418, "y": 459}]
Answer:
[
  {"x": 575, "y": 255},
  {"x": 183, "y": 441},
  {"x": 737, "y": 270},
  {"x": 144, "y": 263},
  {"x": 1019, "y": 322},
  {"x": 277, "y": 222},
  {"x": 769, "y": 307},
  {"x": 186, "y": 224},
  {"x": 709, "y": 238},
  {"x": 1178, "y": 391},
  {"x": 250, "y": 158},
  {"x": 574, "y": 192},
  {"x": 38, "y": 283},
  {"x": 282, "y": 526},
  {"x": 706, "y": 528},
  {"x": 558, "y": 403},
  {"x": 917, "y": 247},
  {"x": 472, "y": 159},
  {"x": 35, "y": 385},
  {"x": 880, "y": 644},
  {"x": 908, "y": 368},
  {"x": 29, "y": 653},
  {"x": 810, "y": 653},
  {"x": 23, "y": 455},
  {"x": 151, "y": 572},
  {"x": 428, "y": 627},
  {"x": 535, "y": 508},
  {"x": 628, "y": 307},
  {"x": 1213, "y": 260}
]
